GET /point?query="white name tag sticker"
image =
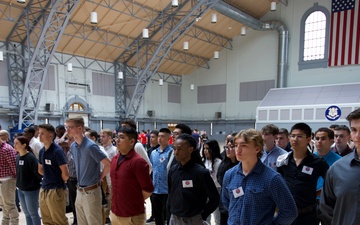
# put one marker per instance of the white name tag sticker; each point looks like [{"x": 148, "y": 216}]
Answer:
[
  {"x": 21, "y": 162},
  {"x": 307, "y": 170},
  {"x": 238, "y": 192},
  {"x": 47, "y": 161},
  {"x": 187, "y": 184}
]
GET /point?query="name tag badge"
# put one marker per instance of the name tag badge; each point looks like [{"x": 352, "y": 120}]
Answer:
[
  {"x": 307, "y": 170},
  {"x": 187, "y": 183},
  {"x": 47, "y": 161},
  {"x": 21, "y": 162},
  {"x": 238, "y": 192}
]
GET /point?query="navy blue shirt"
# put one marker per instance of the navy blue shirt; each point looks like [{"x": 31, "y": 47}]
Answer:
[
  {"x": 51, "y": 160},
  {"x": 252, "y": 199}
]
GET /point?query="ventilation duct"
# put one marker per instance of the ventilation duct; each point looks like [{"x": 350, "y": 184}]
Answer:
[{"x": 249, "y": 21}]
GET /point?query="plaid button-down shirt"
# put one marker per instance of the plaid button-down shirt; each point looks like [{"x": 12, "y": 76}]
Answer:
[{"x": 7, "y": 161}]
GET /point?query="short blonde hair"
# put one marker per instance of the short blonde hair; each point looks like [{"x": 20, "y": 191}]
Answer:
[
  {"x": 4, "y": 133},
  {"x": 252, "y": 135},
  {"x": 107, "y": 131}
]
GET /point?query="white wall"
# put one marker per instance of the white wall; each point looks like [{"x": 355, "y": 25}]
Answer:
[{"x": 254, "y": 58}]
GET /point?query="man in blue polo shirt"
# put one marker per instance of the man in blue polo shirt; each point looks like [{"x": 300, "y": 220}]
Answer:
[
  {"x": 324, "y": 138},
  {"x": 87, "y": 158},
  {"x": 159, "y": 159},
  {"x": 53, "y": 166}
]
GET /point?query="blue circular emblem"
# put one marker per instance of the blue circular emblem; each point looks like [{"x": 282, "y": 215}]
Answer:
[{"x": 333, "y": 113}]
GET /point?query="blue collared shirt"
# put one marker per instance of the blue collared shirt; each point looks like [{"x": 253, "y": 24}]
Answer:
[
  {"x": 269, "y": 158},
  {"x": 330, "y": 158},
  {"x": 252, "y": 199},
  {"x": 159, "y": 160},
  {"x": 87, "y": 158}
]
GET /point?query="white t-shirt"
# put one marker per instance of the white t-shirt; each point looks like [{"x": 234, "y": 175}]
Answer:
[{"x": 213, "y": 172}]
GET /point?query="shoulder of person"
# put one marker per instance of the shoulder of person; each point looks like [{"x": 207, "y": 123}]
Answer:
[{"x": 283, "y": 160}]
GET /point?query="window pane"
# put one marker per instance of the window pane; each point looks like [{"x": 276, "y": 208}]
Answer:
[{"x": 314, "y": 41}]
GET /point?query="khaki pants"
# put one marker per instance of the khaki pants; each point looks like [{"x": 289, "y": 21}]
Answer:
[
  {"x": 53, "y": 206},
  {"x": 7, "y": 195},
  {"x": 88, "y": 207},
  {"x": 133, "y": 220}
]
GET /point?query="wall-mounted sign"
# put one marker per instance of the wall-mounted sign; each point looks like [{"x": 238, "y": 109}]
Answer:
[{"x": 333, "y": 113}]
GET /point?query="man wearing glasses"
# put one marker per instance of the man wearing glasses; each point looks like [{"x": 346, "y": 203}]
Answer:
[
  {"x": 87, "y": 158},
  {"x": 301, "y": 171}
]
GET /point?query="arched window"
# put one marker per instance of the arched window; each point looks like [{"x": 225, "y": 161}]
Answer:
[
  {"x": 76, "y": 107},
  {"x": 314, "y": 38}
]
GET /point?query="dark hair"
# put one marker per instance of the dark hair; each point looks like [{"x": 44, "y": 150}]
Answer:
[
  {"x": 330, "y": 133},
  {"x": 60, "y": 127},
  {"x": 165, "y": 130},
  {"x": 48, "y": 127},
  {"x": 93, "y": 133},
  {"x": 284, "y": 131},
  {"x": 343, "y": 127},
  {"x": 129, "y": 122},
  {"x": 156, "y": 132},
  {"x": 214, "y": 151},
  {"x": 130, "y": 132},
  {"x": 333, "y": 126},
  {"x": 195, "y": 155},
  {"x": 303, "y": 127},
  {"x": 354, "y": 115},
  {"x": 185, "y": 129},
  {"x": 24, "y": 140},
  {"x": 31, "y": 130}
]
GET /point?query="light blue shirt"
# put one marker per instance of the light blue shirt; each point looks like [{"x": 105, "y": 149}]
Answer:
[
  {"x": 87, "y": 158},
  {"x": 330, "y": 158},
  {"x": 269, "y": 158},
  {"x": 252, "y": 199},
  {"x": 159, "y": 160}
]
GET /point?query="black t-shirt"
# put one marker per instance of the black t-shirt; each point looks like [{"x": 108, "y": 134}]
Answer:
[
  {"x": 28, "y": 178},
  {"x": 302, "y": 179}
]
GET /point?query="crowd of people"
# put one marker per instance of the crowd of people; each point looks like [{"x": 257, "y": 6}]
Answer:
[{"x": 267, "y": 176}]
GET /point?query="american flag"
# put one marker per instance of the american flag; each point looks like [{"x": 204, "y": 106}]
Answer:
[{"x": 345, "y": 33}]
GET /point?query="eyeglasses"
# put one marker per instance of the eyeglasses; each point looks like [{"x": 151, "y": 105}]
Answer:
[
  {"x": 69, "y": 127},
  {"x": 293, "y": 136},
  {"x": 226, "y": 148}
]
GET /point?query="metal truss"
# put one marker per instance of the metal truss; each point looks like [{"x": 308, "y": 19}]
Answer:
[
  {"x": 39, "y": 31},
  {"x": 171, "y": 31},
  {"x": 85, "y": 63},
  {"x": 85, "y": 32},
  {"x": 10, "y": 11},
  {"x": 125, "y": 87},
  {"x": 133, "y": 8}
]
